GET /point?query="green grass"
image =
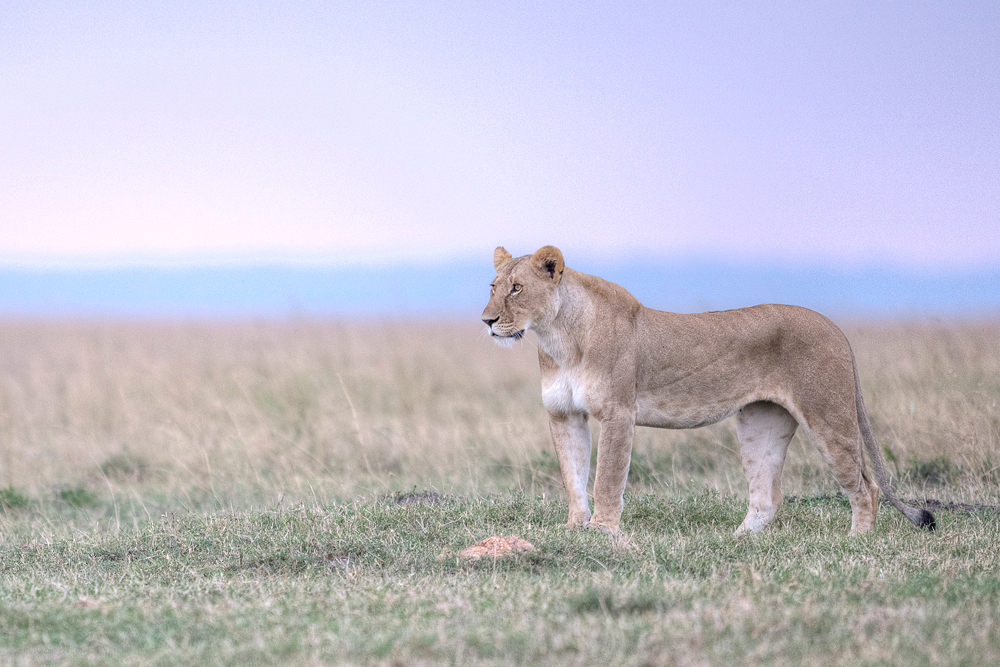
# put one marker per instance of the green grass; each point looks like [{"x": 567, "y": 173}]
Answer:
[{"x": 378, "y": 581}]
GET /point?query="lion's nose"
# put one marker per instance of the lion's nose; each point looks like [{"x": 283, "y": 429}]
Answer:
[{"x": 488, "y": 321}]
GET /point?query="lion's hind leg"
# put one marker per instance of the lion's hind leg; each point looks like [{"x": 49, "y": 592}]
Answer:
[
  {"x": 764, "y": 430},
  {"x": 840, "y": 445}
]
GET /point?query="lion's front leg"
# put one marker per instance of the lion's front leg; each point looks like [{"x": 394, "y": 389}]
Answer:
[
  {"x": 571, "y": 436},
  {"x": 614, "y": 453}
]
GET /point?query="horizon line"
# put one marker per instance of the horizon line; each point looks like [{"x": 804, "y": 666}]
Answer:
[{"x": 269, "y": 290}]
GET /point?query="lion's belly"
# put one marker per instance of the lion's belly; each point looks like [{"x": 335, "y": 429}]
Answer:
[{"x": 667, "y": 412}]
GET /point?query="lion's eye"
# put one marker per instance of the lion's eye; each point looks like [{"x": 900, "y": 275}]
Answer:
[
  {"x": 493, "y": 288},
  {"x": 515, "y": 289}
]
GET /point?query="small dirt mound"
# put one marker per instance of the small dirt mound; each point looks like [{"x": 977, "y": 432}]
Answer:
[{"x": 496, "y": 547}]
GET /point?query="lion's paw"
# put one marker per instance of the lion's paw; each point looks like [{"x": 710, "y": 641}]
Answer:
[{"x": 601, "y": 527}]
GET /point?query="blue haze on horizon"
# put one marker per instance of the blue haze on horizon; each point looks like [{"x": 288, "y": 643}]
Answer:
[{"x": 460, "y": 289}]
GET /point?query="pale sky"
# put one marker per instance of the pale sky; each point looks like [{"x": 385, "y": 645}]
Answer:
[{"x": 829, "y": 132}]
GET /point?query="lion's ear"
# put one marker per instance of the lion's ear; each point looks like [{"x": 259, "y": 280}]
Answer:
[
  {"x": 548, "y": 263},
  {"x": 500, "y": 257}
]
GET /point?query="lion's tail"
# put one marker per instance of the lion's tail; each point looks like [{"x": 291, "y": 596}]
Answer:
[{"x": 921, "y": 518}]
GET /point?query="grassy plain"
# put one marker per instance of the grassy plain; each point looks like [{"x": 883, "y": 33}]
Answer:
[{"x": 295, "y": 493}]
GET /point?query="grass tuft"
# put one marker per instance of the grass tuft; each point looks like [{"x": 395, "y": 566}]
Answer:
[
  {"x": 78, "y": 497},
  {"x": 611, "y": 601},
  {"x": 126, "y": 466},
  {"x": 12, "y": 499},
  {"x": 936, "y": 471}
]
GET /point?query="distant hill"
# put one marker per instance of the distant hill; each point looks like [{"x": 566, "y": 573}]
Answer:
[{"x": 460, "y": 289}]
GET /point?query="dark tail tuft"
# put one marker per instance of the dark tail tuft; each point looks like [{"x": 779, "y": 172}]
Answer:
[{"x": 927, "y": 521}]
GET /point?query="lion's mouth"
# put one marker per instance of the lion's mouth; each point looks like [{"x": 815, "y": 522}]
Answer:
[
  {"x": 516, "y": 335},
  {"x": 506, "y": 338}
]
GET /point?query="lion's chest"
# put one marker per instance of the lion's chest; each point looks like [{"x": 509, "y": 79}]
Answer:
[{"x": 565, "y": 393}]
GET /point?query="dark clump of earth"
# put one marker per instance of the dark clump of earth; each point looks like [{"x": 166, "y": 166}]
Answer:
[
  {"x": 414, "y": 497},
  {"x": 925, "y": 503}
]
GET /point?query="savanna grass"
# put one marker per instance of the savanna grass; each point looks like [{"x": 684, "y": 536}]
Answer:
[{"x": 287, "y": 493}]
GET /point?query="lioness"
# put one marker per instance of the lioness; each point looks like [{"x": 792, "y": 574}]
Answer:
[{"x": 603, "y": 353}]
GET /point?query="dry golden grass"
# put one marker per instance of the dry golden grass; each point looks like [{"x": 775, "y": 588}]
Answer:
[
  {"x": 933, "y": 392},
  {"x": 236, "y": 413}
]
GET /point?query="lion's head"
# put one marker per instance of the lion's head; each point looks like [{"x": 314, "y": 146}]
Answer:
[{"x": 523, "y": 293}]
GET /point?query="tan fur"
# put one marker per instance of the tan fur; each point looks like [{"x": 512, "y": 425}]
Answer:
[{"x": 604, "y": 354}]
